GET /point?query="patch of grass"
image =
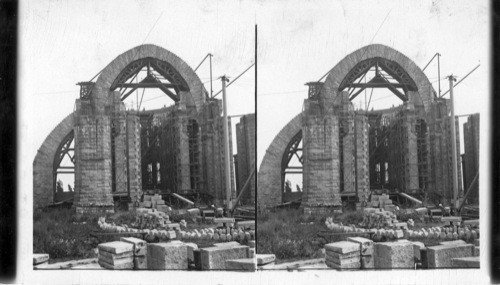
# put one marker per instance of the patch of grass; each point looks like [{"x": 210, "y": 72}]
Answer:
[
  {"x": 65, "y": 236},
  {"x": 291, "y": 235}
]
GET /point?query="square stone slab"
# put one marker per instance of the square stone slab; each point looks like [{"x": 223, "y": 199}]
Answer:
[
  {"x": 342, "y": 247},
  {"x": 116, "y": 247}
]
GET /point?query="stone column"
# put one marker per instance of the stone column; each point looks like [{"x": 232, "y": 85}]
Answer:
[
  {"x": 321, "y": 180},
  {"x": 92, "y": 160}
]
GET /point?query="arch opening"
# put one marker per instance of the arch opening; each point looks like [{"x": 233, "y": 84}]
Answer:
[
  {"x": 292, "y": 170},
  {"x": 64, "y": 169}
]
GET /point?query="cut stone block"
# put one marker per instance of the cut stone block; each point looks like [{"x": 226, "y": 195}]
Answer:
[
  {"x": 141, "y": 262},
  {"x": 476, "y": 242},
  {"x": 224, "y": 220},
  {"x": 121, "y": 266},
  {"x": 251, "y": 252},
  {"x": 393, "y": 255},
  {"x": 251, "y": 243},
  {"x": 147, "y": 204},
  {"x": 197, "y": 259},
  {"x": 477, "y": 251},
  {"x": 342, "y": 247},
  {"x": 417, "y": 248},
  {"x": 115, "y": 259},
  {"x": 39, "y": 258},
  {"x": 190, "y": 248},
  {"x": 355, "y": 265},
  {"x": 466, "y": 262},
  {"x": 215, "y": 257},
  {"x": 334, "y": 256},
  {"x": 246, "y": 264},
  {"x": 227, "y": 244},
  {"x": 440, "y": 256},
  {"x": 340, "y": 260},
  {"x": 167, "y": 256},
  {"x": 452, "y": 242},
  {"x": 116, "y": 247},
  {"x": 365, "y": 245},
  {"x": 451, "y": 219},
  {"x": 367, "y": 262},
  {"x": 423, "y": 258},
  {"x": 263, "y": 259},
  {"x": 471, "y": 222},
  {"x": 140, "y": 246},
  {"x": 247, "y": 224}
]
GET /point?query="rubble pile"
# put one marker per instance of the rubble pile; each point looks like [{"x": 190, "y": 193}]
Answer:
[
  {"x": 173, "y": 231},
  {"x": 150, "y": 219},
  {"x": 154, "y": 202},
  {"x": 382, "y": 202},
  {"x": 466, "y": 231},
  {"x": 380, "y": 218}
]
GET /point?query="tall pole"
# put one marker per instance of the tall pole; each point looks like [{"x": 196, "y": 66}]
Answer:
[
  {"x": 226, "y": 144},
  {"x": 439, "y": 75},
  {"x": 211, "y": 90},
  {"x": 451, "y": 79}
]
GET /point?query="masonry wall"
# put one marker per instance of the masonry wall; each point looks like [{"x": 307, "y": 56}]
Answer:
[
  {"x": 471, "y": 148},
  {"x": 212, "y": 146},
  {"x": 134, "y": 156},
  {"x": 43, "y": 164},
  {"x": 245, "y": 141},
  {"x": 441, "y": 176},
  {"x": 269, "y": 173}
]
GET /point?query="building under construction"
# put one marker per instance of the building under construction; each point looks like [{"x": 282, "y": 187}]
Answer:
[
  {"x": 343, "y": 154},
  {"x": 115, "y": 154}
]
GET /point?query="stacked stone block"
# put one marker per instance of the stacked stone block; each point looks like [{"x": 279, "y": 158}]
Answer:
[
  {"x": 164, "y": 256},
  {"x": 140, "y": 251},
  {"x": 150, "y": 219},
  {"x": 116, "y": 255},
  {"x": 365, "y": 250},
  {"x": 343, "y": 255}
]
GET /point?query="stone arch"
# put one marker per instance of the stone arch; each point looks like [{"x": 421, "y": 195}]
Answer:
[
  {"x": 269, "y": 175},
  {"x": 196, "y": 93},
  {"x": 423, "y": 96},
  {"x": 43, "y": 165}
]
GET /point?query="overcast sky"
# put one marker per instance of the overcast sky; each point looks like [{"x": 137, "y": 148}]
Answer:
[{"x": 300, "y": 42}]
